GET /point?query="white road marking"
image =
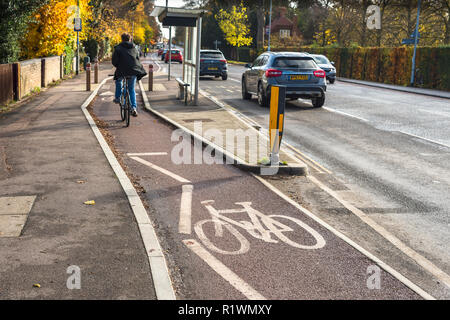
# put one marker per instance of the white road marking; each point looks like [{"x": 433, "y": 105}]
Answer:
[
  {"x": 235, "y": 80},
  {"x": 439, "y": 113},
  {"x": 422, "y": 138},
  {"x": 345, "y": 114},
  {"x": 422, "y": 261},
  {"x": 162, "y": 170},
  {"x": 224, "y": 271},
  {"x": 382, "y": 264},
  {"x": 158, "y": 266},
  {"x": 184, "y": 225},
  {"x": 147, "y": 154},
  {"x": 231, "y": 91}
]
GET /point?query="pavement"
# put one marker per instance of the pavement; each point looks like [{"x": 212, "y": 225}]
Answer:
[{"x": 51, "y": 164}]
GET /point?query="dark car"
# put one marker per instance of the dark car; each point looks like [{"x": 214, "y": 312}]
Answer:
[
  {"x": 175, "y": 56},
  {"x": 213, "y": 63},
  {"x": 327, "y": 66},
  {"x": 299, "y": 72}
]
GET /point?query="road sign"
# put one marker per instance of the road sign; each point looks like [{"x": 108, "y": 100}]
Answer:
[{"x": 77, "y": 24}]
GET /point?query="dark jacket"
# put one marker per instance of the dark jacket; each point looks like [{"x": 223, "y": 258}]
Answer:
[{"x": 126, "y": 60}]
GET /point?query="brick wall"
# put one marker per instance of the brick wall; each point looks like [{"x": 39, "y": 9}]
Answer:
[
  {"x": 30, "y": 76},
  {"x": 52, "y": 70}
]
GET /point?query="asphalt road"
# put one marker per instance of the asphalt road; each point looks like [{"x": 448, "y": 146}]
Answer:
[{"x": 390, "y": 148}]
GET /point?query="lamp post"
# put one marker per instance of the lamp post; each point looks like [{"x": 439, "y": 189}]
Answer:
[
  {"x": 270, "y": 24},
  {"x": 416, "y": 35},
  {"x": 78, "y": 40}
]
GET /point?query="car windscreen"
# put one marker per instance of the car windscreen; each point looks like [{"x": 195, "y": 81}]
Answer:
[
  {"x": 294, "y": 63},
  {"x": 211, "y": 55},
  {"x": 321, "y": 60},
  {"x": 175, "y": 51}
]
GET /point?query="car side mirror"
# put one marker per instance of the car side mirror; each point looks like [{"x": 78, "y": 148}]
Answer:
[
  {"x": 332, "y": 62},
  {"x": 248, "y": 66}
]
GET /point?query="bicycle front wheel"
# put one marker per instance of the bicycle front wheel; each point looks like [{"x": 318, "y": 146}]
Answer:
[{"x": 296, "y": 229}]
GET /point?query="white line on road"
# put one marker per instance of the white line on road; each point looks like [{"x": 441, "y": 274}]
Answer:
[
  {"x": 422, "y": 261},
  {"x": 235, "y": 80},
  {"x": 147, "y": 154},
  {"x": 345, "y": 114},
  {"x": 422, "y": 138},
  {"x": 184, "y": 225},
  {"x": 224, "y": 271},
  {"x": 162, "y": 170},
  {"x": 382, "y": 264},
  {"x": 439, "y": 113}
]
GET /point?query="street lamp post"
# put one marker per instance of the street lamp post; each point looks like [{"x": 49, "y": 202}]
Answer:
[
  {"x": 78, "y": 41},
  {"x": 416, "y": 35},
  {"x": 270, "y": 25}
]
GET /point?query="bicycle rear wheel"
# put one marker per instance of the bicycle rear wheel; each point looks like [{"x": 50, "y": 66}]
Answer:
[
  {"x": 122, "y": 105},
  {"x": 127, "y": 111}
]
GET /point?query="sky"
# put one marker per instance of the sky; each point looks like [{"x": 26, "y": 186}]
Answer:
[{"x": 172, "y": 3}]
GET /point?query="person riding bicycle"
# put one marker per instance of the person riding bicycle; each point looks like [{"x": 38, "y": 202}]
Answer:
[{"x": 126, "y": 60}]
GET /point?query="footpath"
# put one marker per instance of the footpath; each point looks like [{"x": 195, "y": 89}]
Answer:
[{"x": 51, "y": 242}]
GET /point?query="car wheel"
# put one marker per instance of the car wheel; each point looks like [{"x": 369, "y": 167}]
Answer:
[
  {"x": 263, "y": 100},
  {"x": 318, "y": 102},
  {"x": 245, "y": 94},
  {"x": 225, "y": 77},
  {"x": 332, "y": 81}
]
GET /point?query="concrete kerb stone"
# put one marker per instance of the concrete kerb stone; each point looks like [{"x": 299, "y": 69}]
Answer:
[{"x": 292, "y": 169}]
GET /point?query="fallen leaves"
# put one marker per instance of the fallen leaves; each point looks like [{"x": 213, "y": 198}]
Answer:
[{"x": 90, "y": 203}]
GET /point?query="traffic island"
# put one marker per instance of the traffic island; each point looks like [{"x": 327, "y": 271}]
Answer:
[{"x": 239, "y": 142}]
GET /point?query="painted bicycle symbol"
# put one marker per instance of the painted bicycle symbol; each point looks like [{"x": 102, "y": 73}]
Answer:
[{"x": 263, "y": 227}]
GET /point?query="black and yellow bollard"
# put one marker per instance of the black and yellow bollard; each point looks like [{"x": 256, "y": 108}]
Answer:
[{"x": 276, "y": 122}]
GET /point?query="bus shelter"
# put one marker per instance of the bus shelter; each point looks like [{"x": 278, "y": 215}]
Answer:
[{"x": 191, "y": 19}]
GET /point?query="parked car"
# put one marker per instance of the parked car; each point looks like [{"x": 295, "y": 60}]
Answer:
[
  {"x": 160, "y": 51},
  {"x": 327, "y": 66},
  {"x": 213, "y": 63},
  {"x": 299, "y": 72},
  {"x": 175, "y": 56}
]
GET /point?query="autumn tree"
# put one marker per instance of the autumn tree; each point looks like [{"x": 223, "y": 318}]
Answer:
[
  {"x": 13, "y": 22},
  {"x": 234, "y": 25}
]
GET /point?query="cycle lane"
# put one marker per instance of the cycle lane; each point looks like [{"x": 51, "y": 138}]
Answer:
[{"x": 261, "y": 267}]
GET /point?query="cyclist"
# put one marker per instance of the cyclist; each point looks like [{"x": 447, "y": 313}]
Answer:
[{"x": 126, "y": 60}]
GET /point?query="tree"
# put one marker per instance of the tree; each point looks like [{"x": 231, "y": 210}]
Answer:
[
  {"x": 234, "y": 25},
  {"x": 13, "y": 22}
]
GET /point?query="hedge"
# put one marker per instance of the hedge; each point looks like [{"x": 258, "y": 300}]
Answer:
[{"x": 388, "y": 65}]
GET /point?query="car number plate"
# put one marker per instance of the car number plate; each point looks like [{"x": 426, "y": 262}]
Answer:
[
  {"x": 213, "y": 68},
  {"x": 299, "y": 77}
]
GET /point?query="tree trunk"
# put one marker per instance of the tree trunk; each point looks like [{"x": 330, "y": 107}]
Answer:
[{"x": 260, "y": 17}]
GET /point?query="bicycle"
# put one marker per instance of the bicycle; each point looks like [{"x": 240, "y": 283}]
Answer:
[
  {"x": 125, "y": 102},
  {"x": 260, "y": 226}
]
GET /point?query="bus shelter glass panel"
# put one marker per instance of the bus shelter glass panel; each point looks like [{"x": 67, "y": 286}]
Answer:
[{"x": 190, "y": 59}]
